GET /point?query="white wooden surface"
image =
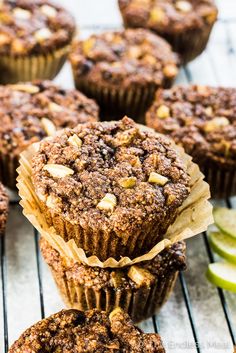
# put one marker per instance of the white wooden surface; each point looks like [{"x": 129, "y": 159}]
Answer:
[{"x": 180, "y": 325}]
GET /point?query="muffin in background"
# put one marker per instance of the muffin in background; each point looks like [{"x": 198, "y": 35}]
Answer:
[
  {"x": 3, "y": 209},
  {"x": 202, "y": 120},
  {"x": 112, "y": 187},
  {"x": 185, "y": 24},
  {"x": 35, "y": 38},
  {"x": 32, "y": 111},
  {"x": 141, "y": 290},
  {"x": 87, "y": 332},
  {"x": 122, "y": 70}
]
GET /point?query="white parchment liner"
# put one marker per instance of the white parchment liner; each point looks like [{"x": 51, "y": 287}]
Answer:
[{"x": 194, "y": 215}]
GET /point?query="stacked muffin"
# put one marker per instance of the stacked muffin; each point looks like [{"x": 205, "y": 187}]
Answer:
[{"x": 104, "y": 195}]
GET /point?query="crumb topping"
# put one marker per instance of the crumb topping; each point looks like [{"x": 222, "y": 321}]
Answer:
[
  {"x": 129, "y": 57},
  {"x": 84, "y": 184},
  {"x": 33, "y": 27},
  {"x": 31, "y": 111},
  {"x": 3, "y": 208},
  {"x": 168, "y": 16},
  {"x": 200, "y": 118},
  {"x": 169, "y": 261},
  {"x": 91, "y": 331}
]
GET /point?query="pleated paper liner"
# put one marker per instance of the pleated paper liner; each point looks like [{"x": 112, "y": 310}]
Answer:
[
  {"x": 27, "y": 68},
  {"x": 119, "y": 101},
  {"x": 140, "y": 301},
  {"x": 193, "y": 217}
]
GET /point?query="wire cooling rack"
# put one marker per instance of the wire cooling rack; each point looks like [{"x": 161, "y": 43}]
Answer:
[{"x": 198, "y": 317}]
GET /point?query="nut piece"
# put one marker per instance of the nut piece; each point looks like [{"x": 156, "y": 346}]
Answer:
[
  {"x": 107, "y": 203},
  {"x": 25, "y": 88},
  {"x": 18, "y": 46},
  {"x": 48, "y": 126},
  {"x": 128, "y": 182},
  {"x": 216, "y": 124},
  {"x": 163, "y": 112},
  {"x": 203, "y": 90},
  {"x": 157, "y": 179},
  {"x": 21, "y": 14},
  {"x": 51, "y": 201},
  {"x": 117, "y": 278},
  {"x": 114, "y": 312},
  {"x": 58, "y": 170},
  {"x": 209, "y": 111},
  {"x": 42, "y": 34},
  {"x": 88, "y": 45},
  {"x": 54, "y": 107},
  {"x": 48, "y": 11},
  {"x": 157, "y": 15},
  {"x": 170, "y": 70},
  {"x": 183, "y": 6},
  {"x": 4, "y": 38},
  {"x": 74, "y": 140},
  {"x": 134, "y": 52},
  {"x": 140, "y": 276}
]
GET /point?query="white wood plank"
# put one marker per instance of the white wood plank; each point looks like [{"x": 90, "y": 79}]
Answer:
[{"x": 23, "y": 306}]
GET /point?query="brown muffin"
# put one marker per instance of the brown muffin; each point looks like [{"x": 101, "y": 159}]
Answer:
[
  {"x": 3, "y": 209},
  {"x": 123, "y": 69},
  {"x": 34, "y": 39},
  {"x": 185, "y": 24},
  {"x": 111, "y": 187},
  {"x": 31, "y": 111},
  {"x": 74, "y": 331},
  {"x": 140, "y": 290},
  {"x": 202, "y": 120}
]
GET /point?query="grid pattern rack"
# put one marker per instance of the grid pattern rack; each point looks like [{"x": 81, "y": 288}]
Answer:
[{"x": 198, "y": 318}]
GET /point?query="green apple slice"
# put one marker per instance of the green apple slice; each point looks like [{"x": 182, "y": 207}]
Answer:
[
  {"x": 223, "y": 245},
  {"x": 223, "y": 275},
  {"x": 225, "y": 220}
]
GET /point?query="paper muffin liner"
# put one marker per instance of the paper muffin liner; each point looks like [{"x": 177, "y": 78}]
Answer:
[
  {"x": 222, "y": 181},
  {"x": 8, "y": 173},
  {"x": 27, "y": 68},
  {"x": 131, "y": 101},
  {"x": 191, "y": 43},
  {"x": 139, "y": 302},
  {"x": 193, "y": 217}
]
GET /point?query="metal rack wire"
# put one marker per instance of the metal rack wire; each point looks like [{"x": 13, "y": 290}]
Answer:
[{"x": 184, "y": 298}]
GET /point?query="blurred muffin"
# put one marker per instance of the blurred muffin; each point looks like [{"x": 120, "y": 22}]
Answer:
[
  {"x": 111, "y": 187},
  {"x": 31, "y": 111},
  {"x": 122, "y": 70},
  {"x": 3, "y": 209},
  {"x": 202, "y": 120},
  {"x": 35, "y": 37},
  {"x": 140, "y": 290},
  {"x": 87, "y": 332},
  {"x": 185, "y": 24}
]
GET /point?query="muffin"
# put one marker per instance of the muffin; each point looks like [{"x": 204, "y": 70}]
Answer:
[
  {"x": 122, "y": 70},
  {"x": 140, "y": 290},
  {"x": 111, "y": 187},
  {"x": 35, "y": 38},
  {"x": 91, "y": 331},
  {"x": 31, "y": 111},
  {"x": 202, "y": 120},
  {"x": 3, "y": 209},
  {"x": 185, "y": 24}
]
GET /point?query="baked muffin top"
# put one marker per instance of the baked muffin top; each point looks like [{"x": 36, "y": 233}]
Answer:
[
  {"x": 200, "y": 118},
  {"x": 169, "y": 261},
  {"x": 33, "y": 27},
  {"x": 129, "y": 57},
  {"x": 168, "y": 16},
  {"x": 31, "y": 111},
  {"x": 3, "y": 208},
  {"x": 73, "y": 331},
  {"x": 110, "y": 176}
]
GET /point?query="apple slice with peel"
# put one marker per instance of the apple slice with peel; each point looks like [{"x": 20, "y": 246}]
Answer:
[
  {"x": 225, "y": 220},
  {"x": 223, "y": 275},
  {"x": 223, "y": 245}
]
